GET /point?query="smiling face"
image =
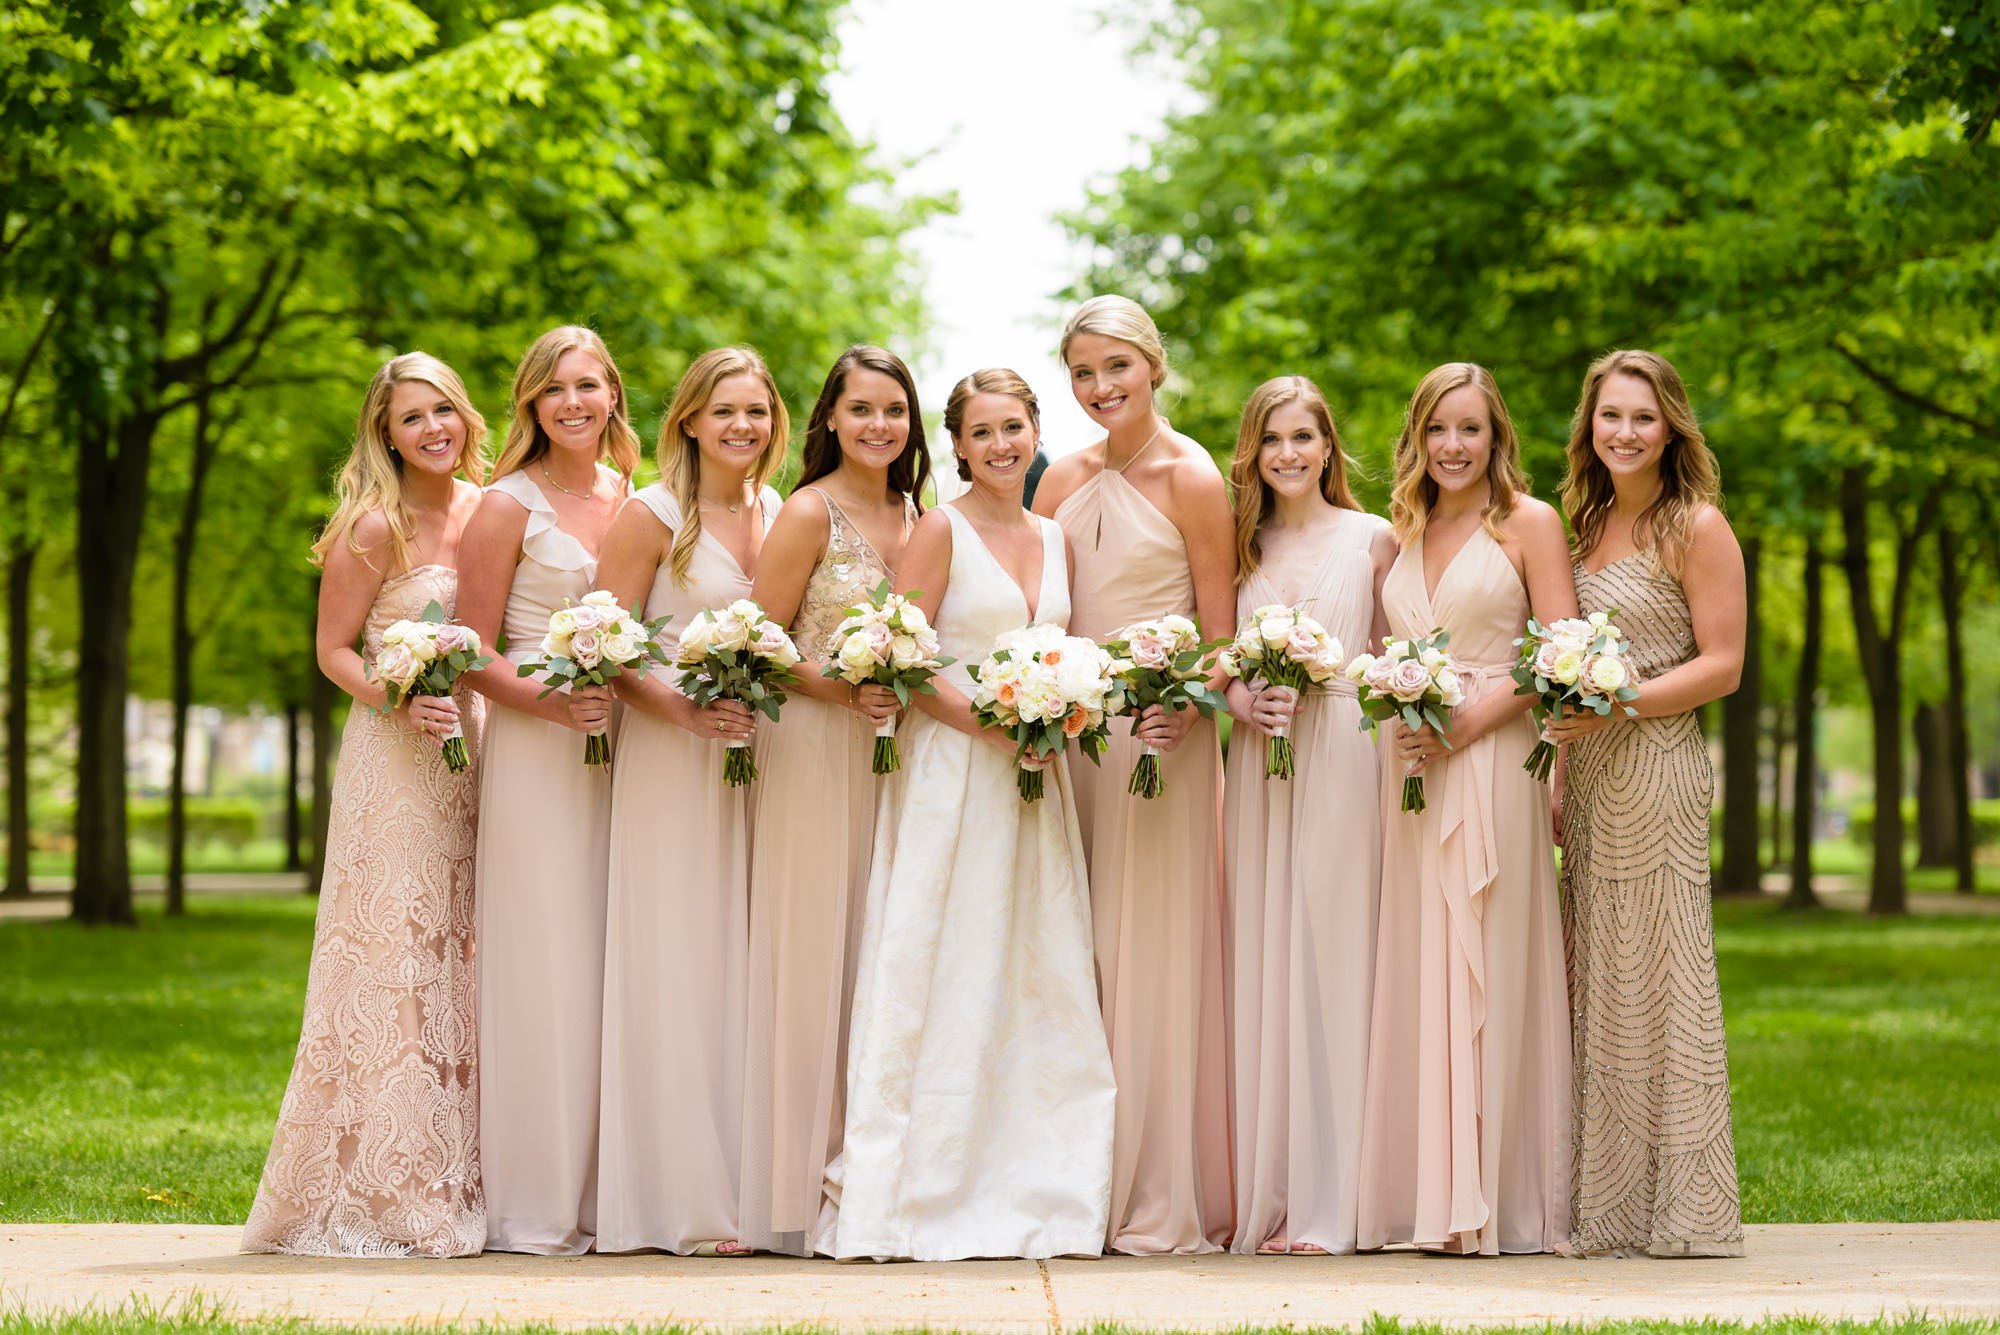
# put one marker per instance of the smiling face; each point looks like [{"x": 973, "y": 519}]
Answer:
[
  {"x": 1112, "y": 380},
  {"x": 733, "y": 429},
  {"x": 997, "y": 439},
  {"x": 1293, "y": 451},
  {"x": 871, "y": 419},
  {"x": 425, "y": 431},
  {"x": 577, "y": 403},
  {"x": 1458, "y": 440},
  {"x": 1628, "y": 431}
]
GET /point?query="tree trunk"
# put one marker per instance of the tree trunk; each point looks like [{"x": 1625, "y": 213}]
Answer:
[
  {"x": 324, "y": 695},
  {"x": 1740, "y": 824},
  {"x": 1935, "y": 835},
  {"x": 1780, "y": 738},
  {"x": 201, "y": 454},
  {"x": 294, "y": 834},
  {"x": 20, "y": 585},
  {"x": 1805, "y": 734},
  {"x": 1958, "y": 750}
]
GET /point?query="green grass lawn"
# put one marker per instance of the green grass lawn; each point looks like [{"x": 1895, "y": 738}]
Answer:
[{"x": 140, "y": 1071}]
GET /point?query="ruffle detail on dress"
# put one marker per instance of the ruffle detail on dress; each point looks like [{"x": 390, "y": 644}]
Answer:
[{"x": 545, "y": 541}]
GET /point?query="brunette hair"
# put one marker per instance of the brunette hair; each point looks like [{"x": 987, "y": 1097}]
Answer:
[
  {"x": 526, "y": 441},
  {"x": 1689, "y": 476},
  {"x": 680, "y": 458},
  {"x": 911, "y": 470},
  {"x": 1123, "y": 319},
  {"x": 1412, "y": 493},
  {"x": 992, "y": 380},
  {"x": 1252, "y": 493}
]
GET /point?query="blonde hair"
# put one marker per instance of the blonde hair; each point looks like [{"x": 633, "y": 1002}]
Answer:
[
  {"x": 1689, "y": 475},
  {"x": 372, "y": 477},
  {"x": 526, "y": 441},
  {"x": 1246, "y": 481},
  {"x": 992, "y": 380},
  {"x": 680, "y": 458},
  {"x": 1123, "y": 319},
  {"x": 1412, "y": 492}
]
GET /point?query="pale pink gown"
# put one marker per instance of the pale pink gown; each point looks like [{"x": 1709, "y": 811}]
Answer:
[
  {"x": 1303, "y": 862},
  {"x": 812, "y": 830},
  {"x": 542, "y": 865},
  {"x": 675, "y": 953},
  {"x": 1466, "y": 1133},
  {"x": 1156, "y": 902}
]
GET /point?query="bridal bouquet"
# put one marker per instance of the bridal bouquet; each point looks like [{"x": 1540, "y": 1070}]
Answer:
[
  {"x": 1284, "y": 647},
  {"x": 1046, "y": 689},
  {"x": 588, "y": 645},
  {"x": 889, "y": 642},
  {"x": 1161, "y": 663},
  {"x": 1575, "y": 663},
  {"x": 1411, "y": 680},
  {"x": 427, "y": 657},
  {"x": 737, "y": 653}
]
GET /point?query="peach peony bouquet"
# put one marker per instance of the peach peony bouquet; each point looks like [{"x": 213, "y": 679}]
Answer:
[{"x": 1047, "y": 688}]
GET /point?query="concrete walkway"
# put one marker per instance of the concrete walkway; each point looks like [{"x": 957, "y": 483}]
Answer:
[{"x": 1829, "y": 1270}]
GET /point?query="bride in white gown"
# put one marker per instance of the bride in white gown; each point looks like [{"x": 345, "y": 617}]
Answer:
[{"x": 980, "y": 1095}]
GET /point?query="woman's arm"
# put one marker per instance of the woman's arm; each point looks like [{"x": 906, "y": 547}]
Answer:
[
  {"x": 347, "y": 590},
  {"x": 1382, "y": 554},
  {"x": 1199, "y": 508}
]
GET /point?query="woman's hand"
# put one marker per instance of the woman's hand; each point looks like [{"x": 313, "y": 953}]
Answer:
[
  {"x": 877, "y": 704},
  {"x": 1576, "y": 724},
  {"x": 718, "y": 720},
  {"x": 1163, "y": 729},
  {"x": 590, "y": 708},
  {"x": 432, "y": 716},
  {"x": 1273, "y": 708},
  {"x": 1416, "y": 748}
]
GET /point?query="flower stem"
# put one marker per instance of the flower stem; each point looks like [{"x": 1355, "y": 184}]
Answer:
[
  {"x": 1031, "y": 785},
  {"x": 1540, "y": 761},
  {"x": 597, "y": 749},
  {"x": 1413, "y": 793},
  {"x": 739, "y": 767},
  {"x": 887, "y": 760}
]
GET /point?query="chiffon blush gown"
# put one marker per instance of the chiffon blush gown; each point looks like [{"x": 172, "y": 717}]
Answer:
[
  {"x": 1465, "y": 1133},
  {"x": 376, "y": 1151},
  {"x": 676, "y": 946},
  {"x": 1303, "y": 863},
  {"x": 979, "y": 1096}
]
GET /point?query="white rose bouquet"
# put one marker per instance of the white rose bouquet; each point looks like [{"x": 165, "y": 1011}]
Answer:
[
  {"x": 1574, "y": 663},
  {"x": 1414, "y": 681},
  {"x": 1046, "y": 689},
  {"x": 889, "y": 642},
  {"x": 1161, "y": 662},
  {"x": 1284, "y": 647},
  {"x": 588, "y": 645},
  {"x": 427, "y": 657},
  {"x": 737, "y": 653}
]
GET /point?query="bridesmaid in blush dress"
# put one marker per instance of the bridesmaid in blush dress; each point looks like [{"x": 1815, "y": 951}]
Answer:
[
  {"x": 1465, "y": 1133},
  {"x": 813, "y": 813},
  {"x": 678, "y": 914},
  {"x": 1148, "y": 518},
  {"x": 1654, "y": 1155},
  {"x": 1302, "y": 856},
  {"x": 376, "y": 1152},
  {"x": 543, "y": 847}
]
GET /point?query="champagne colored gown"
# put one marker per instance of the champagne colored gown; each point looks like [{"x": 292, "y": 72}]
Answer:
[
  {"x": 1156, "y": 902},
  {"x": 979, "y": 1095},
  {"x": 1654, "y": 1157},
  {"x": 377, "y": 1146},
  {"x": 812, "y": 830},
  {"x": 1465, "y": 1133},
  {"x": 1303, "y": 863},
  {"x": 676, "y": 942},
  {"x": 542, "y": 867}
]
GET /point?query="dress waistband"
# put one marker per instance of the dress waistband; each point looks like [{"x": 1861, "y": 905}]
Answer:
[{"x": 1482, "y": 671}]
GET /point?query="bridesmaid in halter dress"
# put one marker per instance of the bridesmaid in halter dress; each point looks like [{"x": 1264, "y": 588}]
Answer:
[
  {"x": 1654, "y": 1157},
  {"x": 1148, "y": 518},
  {"x": 543, "y": 846},
  {"x": 376, "y": 1151},
  {"x": 1302, "y": 856},
  {"x": 1465, "y": 1132},
  {"x": 678, "y": 917},
  {"x": 813, "y": 813}
]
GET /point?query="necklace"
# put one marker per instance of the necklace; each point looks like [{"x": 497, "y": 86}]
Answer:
[
  {"x": 565, "y": 490},
  {"x": 724, "y": 504}
]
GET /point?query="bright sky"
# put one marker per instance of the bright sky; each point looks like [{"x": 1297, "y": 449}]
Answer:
[{"x": 1019, "y": 106}]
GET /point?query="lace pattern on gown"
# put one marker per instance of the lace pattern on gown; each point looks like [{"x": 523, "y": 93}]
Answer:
[
  {"x": 1654, "y": 1159},
  {"x": 847, "y": 572},
  {"x": 376, "y": 1149}
]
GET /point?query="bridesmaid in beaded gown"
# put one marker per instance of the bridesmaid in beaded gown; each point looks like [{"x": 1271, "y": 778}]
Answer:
[
  {"x": 1654, "y": 1168},
  {"x": 1148, "y": 519},
  {"x": 543, "y": 845},
  {"x": 1465, "y": 1129},
  {"x": 1302, "y": 856},
  {"x": 376, "y": 1151},
  {"x": 678, "y": 914},
  {"x": 813, "y": 813}
]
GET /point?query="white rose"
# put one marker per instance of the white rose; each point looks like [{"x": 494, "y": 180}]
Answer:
[
  {"x": 1450, "y": 687},
  {"x": 1606, "y": 674},
  {"x": 855, "y": 655},
  {"x": 732, "y": 634},
  {"x": 745, "y": 609},
  {"x": 600, "y": 598},
  {"x": 1276, "y": 629},
  {"x": 905, "y": 652},
  {"x": 562, "y": 621},
  {"x": 1600, "y": 620},
  {"x": 620, "y": 648},
  {"x": 397, "y": 664},
  {"x": 1357, "y": 666},
  {"x": 1568, "y": 667},
  {"x": 1432, "y": 658}
]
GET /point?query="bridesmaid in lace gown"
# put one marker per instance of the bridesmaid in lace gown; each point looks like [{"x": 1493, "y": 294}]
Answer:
[
  {"x": 1302, "y": 856},
  {"x": 543, "y": 846},
  {"x": 376, "y": 1151},
  {"x": 678, "y": 912},
  {"x": 1148, "y": 519},
  {"x": 813, "y": 813},
  {"x": 980, "y": 1097},
  {"x": 1465, "y": 1130},
  {"x": 1654, "y": 1168}
]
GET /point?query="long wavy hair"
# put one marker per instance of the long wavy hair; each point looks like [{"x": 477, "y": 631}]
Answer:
[
  {"x": 680, "y": 458},
  {"x": 1689, "y": 475},
  {"x": 911, "y": 471},
  {"x": 1246, "y": 482},
  {"x": 372, "y": 477},
  {"x": 1412, "y": 493},
  {"x": 526, "y": 441}
]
